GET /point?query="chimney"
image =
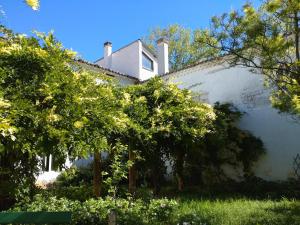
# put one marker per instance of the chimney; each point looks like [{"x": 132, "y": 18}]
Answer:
[
  {"x": 107, "y": 55},
  {"x": 163, "y": 56}
]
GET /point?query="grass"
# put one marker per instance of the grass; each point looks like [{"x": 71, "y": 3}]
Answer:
[
  {"x": 199, "y": 206},
  {"x": 192, "y": 209},
  {"x": 237, "y": 212}
]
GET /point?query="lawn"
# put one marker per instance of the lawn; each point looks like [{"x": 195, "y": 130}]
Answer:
[
  {"x": 237, "y": 212},
  {"x": 183, "y": 211}
]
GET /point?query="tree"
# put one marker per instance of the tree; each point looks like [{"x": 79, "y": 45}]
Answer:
[
  {"x": 266, "y": 41},
  {"x": 165, "y": 123},
  {"x": 99, "y": 116},
  {"x": 184, "y": 48},
  {"x": 181, "y": 123},
  {"x": 49, "y": 105},
  {"x": 36, "y": 84},
  {"x": 34, "y": 4}
]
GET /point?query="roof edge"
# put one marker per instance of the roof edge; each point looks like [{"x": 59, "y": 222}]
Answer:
[
  {"x": 125, "y": 46},
  {"x": 111, "y": 72},
  {"x": 201, "y": 62}
]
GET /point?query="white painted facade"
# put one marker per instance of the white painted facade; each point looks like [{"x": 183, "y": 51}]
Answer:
[
  {"x": 163, "y": 56},
  {"x": 128, "y": 60},
  {"x": 216, "y": 82}
]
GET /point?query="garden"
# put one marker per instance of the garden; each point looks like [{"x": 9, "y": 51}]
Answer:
[{"x": 158, "y": 155}]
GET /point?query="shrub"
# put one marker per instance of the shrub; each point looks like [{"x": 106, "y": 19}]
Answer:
[
  {"x": 160, "y": 209},
  {"x": 95, "y": 211},
  {"x": 80, "y": 193},
  {"x": 75, "y": 176}
]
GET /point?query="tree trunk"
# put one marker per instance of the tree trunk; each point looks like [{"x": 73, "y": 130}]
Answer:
[
  {"x": 97, "y": 174},
  {"x": 155, "y": 177},
  {"x": 132, "y": 174},
  {"x": 296, "y": 28},
  {"x": 179, "y": 170}
]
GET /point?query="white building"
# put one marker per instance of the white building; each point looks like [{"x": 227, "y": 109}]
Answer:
[
  {"x": 216, "y": 82},
  {"x": 135, "y": 59}
]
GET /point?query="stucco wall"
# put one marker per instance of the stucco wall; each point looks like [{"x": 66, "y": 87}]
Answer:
[
  {"x": 128, "y": 60},
  {"x": 279, "y": 132},
  {"x": 125, "y": 60}
]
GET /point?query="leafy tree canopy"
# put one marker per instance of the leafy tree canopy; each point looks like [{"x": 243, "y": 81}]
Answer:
[
  {"x": 49, "y": 105},
  {"x": 184, "y": 47},
  {"x": 165, "y": 122}
]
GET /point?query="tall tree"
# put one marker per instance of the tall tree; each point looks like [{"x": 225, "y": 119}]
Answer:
[
  {"x": 37, "y": 84},
  {"x": 49, "y": 105},
  {"x": 266, "y": 40},
  {"x": 166, "y": 123},
  {"x": 99, "y": 117},
  {"x": 184, "y": 48}
]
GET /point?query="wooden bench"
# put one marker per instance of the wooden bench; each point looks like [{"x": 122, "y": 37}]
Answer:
[{"x": 35, "y": 217}]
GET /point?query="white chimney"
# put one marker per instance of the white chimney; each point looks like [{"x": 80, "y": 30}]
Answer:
[
  {"x": 107, "y": 55},
  {"x": 163, "y": 56}
]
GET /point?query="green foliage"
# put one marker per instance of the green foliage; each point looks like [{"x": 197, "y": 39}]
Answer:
[
  {"x": 118, "y": 169},
  {"x": 80, "y": 192},
  {"x": 184, "y": 48},
  {"x": 234, "y": 211},
  {"x": 34, "y": 74},
  {"x": 75, "y": 176},
  {"x": 34, "y": 4},
  {"x": 261, "y": 189},
  {"x": 165, "y": 123},
  {"x": 73, "y": 183},
  {"x": 266, "y": 40},
  {"x": 96, "y": 211},
  {"x": 161, "y": 209},
  {"x": 227, "y": 145},
  {"x": 49, "y": 105},
  {"x": 233, "y": 145}
]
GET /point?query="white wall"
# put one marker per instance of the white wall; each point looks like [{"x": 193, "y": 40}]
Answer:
[
  {"x": 128, "y": 60},
  {"x": 125, "y": 60},
  {"x": 279, "y": 132}
]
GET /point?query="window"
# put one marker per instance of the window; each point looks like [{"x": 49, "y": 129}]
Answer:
[{"x": 147, "y": 62}]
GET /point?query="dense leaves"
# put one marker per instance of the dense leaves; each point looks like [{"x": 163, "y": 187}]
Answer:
[
  {"x": 157, "y": 211},
  {"x": 230, "y": 211},
  {"x": 49, "y": 105},
  {"x": 36, "y": 93},
  {"x": 165, "y": 123},
  {"x": 227, "y": 146}
]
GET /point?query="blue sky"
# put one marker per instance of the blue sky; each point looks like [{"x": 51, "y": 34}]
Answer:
[{"x": 84, "y": 25}]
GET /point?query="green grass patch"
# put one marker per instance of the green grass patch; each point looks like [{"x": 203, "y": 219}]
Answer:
[
  {"x": 180, "y": 210},
  {"x": 237, "y": 212}
]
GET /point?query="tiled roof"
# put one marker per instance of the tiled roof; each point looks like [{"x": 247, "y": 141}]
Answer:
[{"x": 108, "y": 72}]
